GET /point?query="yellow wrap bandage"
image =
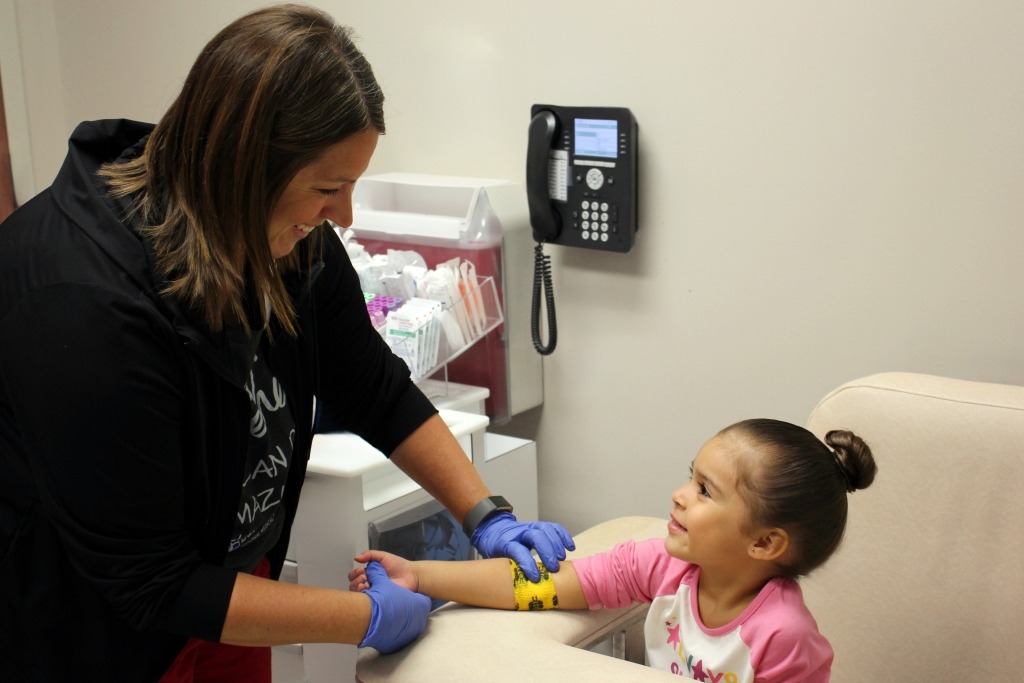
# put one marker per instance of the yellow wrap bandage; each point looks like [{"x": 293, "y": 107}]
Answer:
[{"x": 530, "y": 595}]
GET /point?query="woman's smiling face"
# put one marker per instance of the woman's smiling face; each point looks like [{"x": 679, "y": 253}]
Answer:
[{"x": 320, "y": 191}]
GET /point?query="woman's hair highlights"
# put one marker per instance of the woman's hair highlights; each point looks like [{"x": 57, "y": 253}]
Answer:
[
  {"x": 267, "y": 95},
  {"x": 793, "y": 481}
]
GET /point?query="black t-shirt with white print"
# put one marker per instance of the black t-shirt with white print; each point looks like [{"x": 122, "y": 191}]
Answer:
[{"x": 260, "y": 516}]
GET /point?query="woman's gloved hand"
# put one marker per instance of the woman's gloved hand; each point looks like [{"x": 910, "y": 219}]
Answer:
[
  {"x": 397, "y": 615},
  {"x": 502, "y": 535}
]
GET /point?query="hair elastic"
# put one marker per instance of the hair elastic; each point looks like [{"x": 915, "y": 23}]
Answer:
[{"x": 531, "y": 595}]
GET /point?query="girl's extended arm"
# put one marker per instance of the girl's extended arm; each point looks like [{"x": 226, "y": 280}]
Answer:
[{"x": 483, "y": 583}]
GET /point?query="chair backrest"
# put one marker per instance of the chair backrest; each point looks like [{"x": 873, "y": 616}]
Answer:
[{"x": 928, "y": 584}]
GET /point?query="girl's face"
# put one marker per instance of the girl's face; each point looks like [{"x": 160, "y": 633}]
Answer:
[
  {"x": 709, "y": 519},
  {"x": 320, "y": 191}
]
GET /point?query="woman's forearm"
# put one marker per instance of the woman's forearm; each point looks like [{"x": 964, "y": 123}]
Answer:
[
  {"x": 433, "y": 458},
  {"x": 266, "y": 612}
]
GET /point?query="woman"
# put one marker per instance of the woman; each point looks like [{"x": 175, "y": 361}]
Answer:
[{"x": 169, "y": 308}]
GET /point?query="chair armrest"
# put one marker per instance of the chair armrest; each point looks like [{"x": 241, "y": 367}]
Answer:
[{"x": 468, "y": 644}]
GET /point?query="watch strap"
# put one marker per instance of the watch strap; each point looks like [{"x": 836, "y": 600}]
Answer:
[{"x": 482, "y": 510}]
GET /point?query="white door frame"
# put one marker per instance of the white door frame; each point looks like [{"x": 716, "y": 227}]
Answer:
[{"x": 15, "y": 110}]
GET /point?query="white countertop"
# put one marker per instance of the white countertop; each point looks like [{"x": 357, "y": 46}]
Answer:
[{"x": 343, "y": 454}]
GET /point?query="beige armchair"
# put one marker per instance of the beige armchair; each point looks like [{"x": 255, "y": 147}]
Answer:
[{"x": 926, "y": 587}]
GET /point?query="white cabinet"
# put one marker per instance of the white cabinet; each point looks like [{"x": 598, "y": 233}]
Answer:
[{"x": 350, "y": 485}]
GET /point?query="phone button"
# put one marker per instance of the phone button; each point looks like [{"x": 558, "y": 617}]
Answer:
[{"x": 595, "y": 179}]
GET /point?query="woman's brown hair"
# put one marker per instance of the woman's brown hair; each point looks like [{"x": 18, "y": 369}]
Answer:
[
  {"x": 795, "y": 482},
  {"x": 266, "y": 96}
]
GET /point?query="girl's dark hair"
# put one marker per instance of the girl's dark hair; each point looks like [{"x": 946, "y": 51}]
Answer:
[
  {"x": 799, "y": 484},
  {"x": 267, "y": 95}
]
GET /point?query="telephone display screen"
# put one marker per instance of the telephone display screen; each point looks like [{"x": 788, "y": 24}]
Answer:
[{"x": 597, "y": 138}]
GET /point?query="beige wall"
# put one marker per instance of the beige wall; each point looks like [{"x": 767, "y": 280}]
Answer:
[{"x": 829, "y": 190}]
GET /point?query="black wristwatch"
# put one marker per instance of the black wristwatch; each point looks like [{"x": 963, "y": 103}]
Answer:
[{"x": 482, "y": 511}]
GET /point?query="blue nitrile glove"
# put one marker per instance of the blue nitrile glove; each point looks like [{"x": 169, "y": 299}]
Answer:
[
  {"x": 397, "y": 615},
  {"x": 502, "y": 535}
]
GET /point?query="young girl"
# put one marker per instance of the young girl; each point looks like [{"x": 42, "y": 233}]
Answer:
[{"x": 765, "y": 503}]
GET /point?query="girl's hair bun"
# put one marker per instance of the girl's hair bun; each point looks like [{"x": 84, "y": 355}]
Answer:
[{"x": 853, "y": 458}]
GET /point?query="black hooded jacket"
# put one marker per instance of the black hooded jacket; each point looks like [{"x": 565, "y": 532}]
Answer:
[{"x": 124, "y": 428}]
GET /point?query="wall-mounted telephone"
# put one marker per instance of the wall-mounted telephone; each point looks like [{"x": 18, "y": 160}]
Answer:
[
  {"x": 581, "y": 176},
  {"x": 581, "y": 187}
]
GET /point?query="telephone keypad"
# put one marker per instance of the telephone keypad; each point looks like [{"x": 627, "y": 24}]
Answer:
[{"x": 598, "y": 220}]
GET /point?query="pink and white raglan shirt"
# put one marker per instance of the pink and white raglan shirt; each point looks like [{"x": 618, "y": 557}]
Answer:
[{"x": 774, "y": 640}]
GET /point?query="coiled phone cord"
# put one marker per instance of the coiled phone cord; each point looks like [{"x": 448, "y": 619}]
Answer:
[{"x": 542, "y": 280}]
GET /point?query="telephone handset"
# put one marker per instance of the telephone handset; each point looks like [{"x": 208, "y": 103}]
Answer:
[
  {"x": 541, "y": 160},
  {"x": 581, "y": 187}
]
